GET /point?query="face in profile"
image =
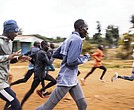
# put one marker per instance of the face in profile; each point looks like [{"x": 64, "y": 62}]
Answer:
[
  {"x": 45, "y": 46},
  {"x": 12, "y": 35},
  {"x": 83, "y": 31}
]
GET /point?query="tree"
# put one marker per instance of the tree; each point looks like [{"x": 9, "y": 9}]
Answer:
[
  {"x": 98, "y": 26},
  {"x": 112, "y": 35},
  {"x": 125, "y": 50},
  {"x": 132, "y": 20},
  {"x": 97, "y": 36}
]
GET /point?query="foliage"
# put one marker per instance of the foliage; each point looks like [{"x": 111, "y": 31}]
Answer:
[
  {"x": 132, "y": 20},
  {"x": 98, "y": 27},
  {"x": 97, "y": 39},
  {"x": 86, "y": 47},
  {"x": 125, "y": 50},
  {"x": 59, "y": 39},
  {"x": 39, "y": 36},
  {"x": 112, "y": 35},
  {"x": 123, "y": 55}
]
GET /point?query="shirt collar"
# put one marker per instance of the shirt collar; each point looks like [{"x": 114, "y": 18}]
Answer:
[
  {"x": 5, "y": 38},
  {"x": 76, "y": 33}
]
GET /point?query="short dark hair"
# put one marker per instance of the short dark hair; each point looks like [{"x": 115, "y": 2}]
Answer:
[
  {"x": 101, "y": 47},
  {"x": 44, "y": 43},
  {"x": 36, "y": 43},
  {"x": 52, "y": 45},
  {"x": 79, "y": 23}
]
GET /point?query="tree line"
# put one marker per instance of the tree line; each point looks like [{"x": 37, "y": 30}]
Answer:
[{"x": 111, "y": 39}]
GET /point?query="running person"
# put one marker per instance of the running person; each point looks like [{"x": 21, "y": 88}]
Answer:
[
  {"x": 67, "y": 78},
  {"x": 98, "y": 55},
  {"x": 51, "y": 51},
  {"x": 51, "y": 67},
  {"x": 42, "y": 60},
  {"x": 129, "y": 78},
  {"x": 6, "y": 57},
  {"x": 32, "y": 52}
]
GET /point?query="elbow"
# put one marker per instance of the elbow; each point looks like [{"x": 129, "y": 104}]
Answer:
[{"x": 70, "y": 63}]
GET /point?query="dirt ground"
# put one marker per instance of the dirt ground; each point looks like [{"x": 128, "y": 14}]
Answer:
[{"x": 117, "y": 95}]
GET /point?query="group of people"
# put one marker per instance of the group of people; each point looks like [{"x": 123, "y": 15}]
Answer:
[
  {"x": 40, "y": 59},
  {"x": 40, "y": 62}
]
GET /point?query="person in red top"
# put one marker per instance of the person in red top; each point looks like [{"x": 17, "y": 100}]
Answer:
[{"x": 98, "y": 55}]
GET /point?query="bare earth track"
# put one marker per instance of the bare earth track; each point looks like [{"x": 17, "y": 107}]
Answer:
[{"x": 117, "y": 95}]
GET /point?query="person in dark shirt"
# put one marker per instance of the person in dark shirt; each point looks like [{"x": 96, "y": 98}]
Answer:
[
  {"x": 40, "y": 73},
  {"x": 30, "y": 71},
  {"x": 51, "y": 51}
]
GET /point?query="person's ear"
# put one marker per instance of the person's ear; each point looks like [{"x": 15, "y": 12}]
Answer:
[{"x": 80, "y": 29}]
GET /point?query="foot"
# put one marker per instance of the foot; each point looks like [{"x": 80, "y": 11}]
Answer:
[
  {"x": 46, "y": 94},
  {"x": 82, "y": 81},
  {"x": 114, "y": 77},
  {"x": 102, "y": 80},
  {"x": 40, "y": 93}
]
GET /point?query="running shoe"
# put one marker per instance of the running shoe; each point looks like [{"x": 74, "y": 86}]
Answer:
[
  {"x": 114, "y": 77},
  {"x": 102, "y": 80},
  {"x": 39, "y": 93},
  {"x": 46, "y": 94}
]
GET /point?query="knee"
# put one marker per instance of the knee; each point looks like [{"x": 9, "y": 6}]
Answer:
[
  {"x": 105, "y": 69},
  {"x": 24, "y": 80}
]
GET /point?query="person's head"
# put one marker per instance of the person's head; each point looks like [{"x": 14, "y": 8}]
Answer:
[
  {"x": 45, "y": 45},
  {"x": 10, "y": 29},
  {"x": 36, "y": 44},
  {"x": 101, "y": 47},
  {"x": 52, "y": 46},
  {"x": 81, "y": 27}
]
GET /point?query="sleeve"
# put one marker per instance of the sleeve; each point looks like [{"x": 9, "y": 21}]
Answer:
[
  {"x": 27, "y": 53},
  {"x": 74, "y": 51},
  {"x": 57, "y": 54},
  {"x": 3, "y": 58}
]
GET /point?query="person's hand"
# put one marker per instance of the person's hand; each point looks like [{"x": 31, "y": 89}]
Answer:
[
  {"x": 88, "y": 56},
  {"x": 24, "y": 58},
  {"x": 10, "y": 77},
  {"x": 17, "y": 53}
]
